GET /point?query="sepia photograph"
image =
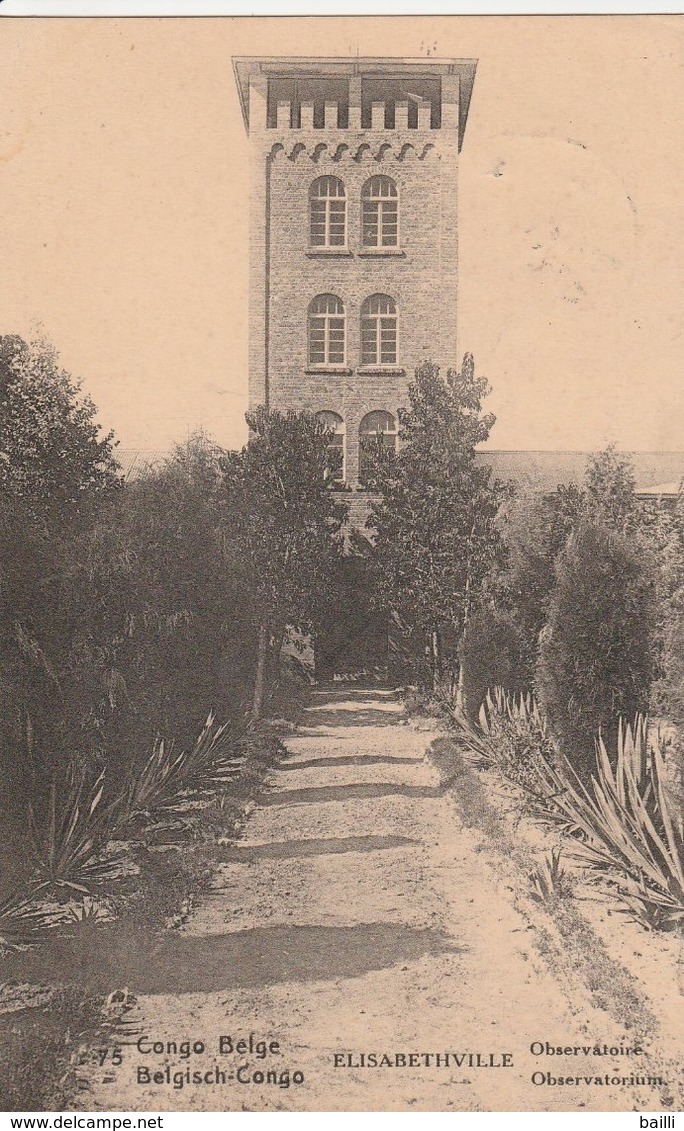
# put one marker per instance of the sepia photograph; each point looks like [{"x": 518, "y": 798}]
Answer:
[{"x": 342, "y": 564}]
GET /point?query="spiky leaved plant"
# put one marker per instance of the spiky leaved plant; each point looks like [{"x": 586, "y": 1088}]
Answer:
[
  {"x": 22, "y": 921},
  {"x": 517, "y": 737},
  {"x": 164, "y": 779},
  {"x": 70, "y": 846},
  {"x": 625, "y": 824},
  {"x": 549, "y": 880}
]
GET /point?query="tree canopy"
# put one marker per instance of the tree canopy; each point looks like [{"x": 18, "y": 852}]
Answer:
[
  {"x": 52, "y": 452},
  {"x": 282, "y": 513},
  {"x": 433, "y": 521}
]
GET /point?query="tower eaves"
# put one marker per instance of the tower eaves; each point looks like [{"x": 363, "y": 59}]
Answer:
[{"x": 365, "y": 67}]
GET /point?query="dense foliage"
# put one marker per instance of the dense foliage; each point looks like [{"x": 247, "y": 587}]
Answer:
[
  {"x": 583, "y": 606},
  {"x": 596, "y": 659},
  {"x": 128, "y": 626},
  {"x": 51, "y": 452},
  {"x": 624, "y": 826},
  {"x": 130, "y": 612},
  {"x": 433, "y": 521},
  {"x": 493, "y": 656},
  {"x": 281, "y": 514},
  {"x": 56, "y": 470}
]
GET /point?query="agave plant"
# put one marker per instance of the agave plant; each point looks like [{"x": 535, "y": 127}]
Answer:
[
  {"x": 549, "y": 880},
  {"x": 166, "y": 776},
  {"x": 22, "y": 921},
  {"x": 513, "y": 736},
  {"x": 521, "y": 708},
  {"x": 479, "y": 740},
  {"x": 70, "y": 847},
  {"x": 209, "y": 763},
  {"x": 626, "y": 826},
  {"x": 157, "y": 784},
  {"x": 89, "y": 911}
]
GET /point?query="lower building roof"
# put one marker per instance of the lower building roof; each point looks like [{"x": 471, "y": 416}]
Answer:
[{"x": 656, "y": 473}]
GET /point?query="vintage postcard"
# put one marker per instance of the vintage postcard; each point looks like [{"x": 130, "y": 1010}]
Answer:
[{"x": 342, "y": 565}]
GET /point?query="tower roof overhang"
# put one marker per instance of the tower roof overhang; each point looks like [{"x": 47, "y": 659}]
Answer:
[{"x": 370, "y": 67}]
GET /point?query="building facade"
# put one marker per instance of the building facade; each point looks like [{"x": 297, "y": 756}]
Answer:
[{"x": 353, "y": 235}]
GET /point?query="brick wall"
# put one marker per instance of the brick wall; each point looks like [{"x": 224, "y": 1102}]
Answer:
[{"x": 286, "y": 276}]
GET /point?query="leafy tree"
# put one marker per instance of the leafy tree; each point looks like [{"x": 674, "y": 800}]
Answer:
[
  {"x": 280, "y": 510},
  {"x": 135, "y": 625},
  {"x": 597, "y": 657},
  {"x": 535, "y": 528},
  {"x": 576, "y": 633},
  {"x": 609, "y": 490},
  {"x": 55, "y": 468},
  {"x": 433, "y": 522},
  {"x": 155, "y": 607},
  {"x": 51, "y": 452}
]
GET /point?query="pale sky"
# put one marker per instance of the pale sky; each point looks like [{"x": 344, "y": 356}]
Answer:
[{"x": 124, "y": 190}]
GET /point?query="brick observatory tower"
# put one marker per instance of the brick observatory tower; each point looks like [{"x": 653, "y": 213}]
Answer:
[
  {"x": 353, "y": 247},
  {"x": 353, "y": 234}
]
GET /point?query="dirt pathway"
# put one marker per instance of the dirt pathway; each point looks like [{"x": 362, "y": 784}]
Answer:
[{"x": 355, "y": 917}]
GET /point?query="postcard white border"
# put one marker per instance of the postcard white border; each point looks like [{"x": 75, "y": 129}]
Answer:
[{"x": 156, "y": 8}]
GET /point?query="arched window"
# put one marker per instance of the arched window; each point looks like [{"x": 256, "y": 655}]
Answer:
[
  {"x": 335, "y": 426},
  {"x": 326, "y": 330},
  {"x": 377, "y": 430},
  {"x": 379, "y": 331},
  {"x": 380, "y": 213},
  {"x": 327, "y": 213}
]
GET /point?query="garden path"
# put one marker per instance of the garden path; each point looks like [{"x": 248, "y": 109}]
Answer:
[{"x": 355, "y": 916}]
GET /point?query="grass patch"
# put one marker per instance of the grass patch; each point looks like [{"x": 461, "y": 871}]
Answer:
[
  {"x": 583, "y": 954},
  {"x": 458, "y": 775}
]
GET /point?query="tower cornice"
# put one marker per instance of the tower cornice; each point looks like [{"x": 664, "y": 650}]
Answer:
[{"x": 250, "y": 68}]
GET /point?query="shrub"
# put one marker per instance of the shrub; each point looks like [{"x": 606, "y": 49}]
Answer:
[
  {"x": 160, "y": 610},
  {"x": 596, "y": 659},
  {"x": 493, "y": 655},
  {"x": 121, "y": 630},
  {"x": 535, "y": 527}
]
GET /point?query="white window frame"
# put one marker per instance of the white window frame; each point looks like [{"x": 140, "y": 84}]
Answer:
[
  {"x": 324, "y": 318},
  {"x": 378, "y": 201},
  {"x": 327, "y": 210},
  {"x": 369, "y": 316}
]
